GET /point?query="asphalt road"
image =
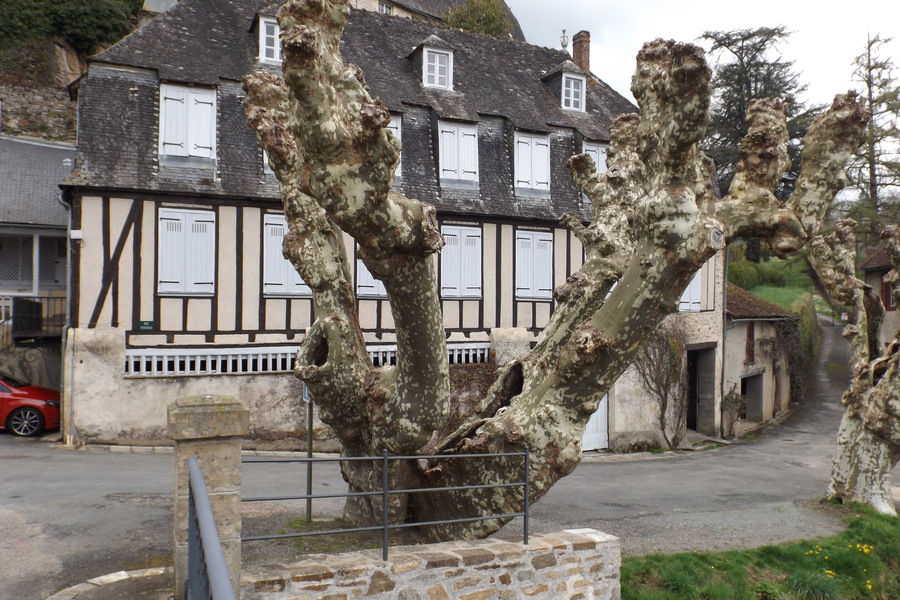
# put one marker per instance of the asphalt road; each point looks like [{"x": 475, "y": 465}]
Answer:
[{"x": 70, "y": 515}]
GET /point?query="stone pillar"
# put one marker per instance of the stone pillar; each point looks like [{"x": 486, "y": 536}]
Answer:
[{"x": 209, "y": 428}]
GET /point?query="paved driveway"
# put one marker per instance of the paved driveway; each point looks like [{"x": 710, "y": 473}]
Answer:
[{"x": 70, "y": 515}]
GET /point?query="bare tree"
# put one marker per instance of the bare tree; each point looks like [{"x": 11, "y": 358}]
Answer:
[
  {"x": 661, "y": 364},
  {"x": 656, "y": 220}
]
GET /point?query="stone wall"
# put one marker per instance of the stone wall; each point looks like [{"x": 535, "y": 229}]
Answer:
[
  {"x": 39, "y": 112},
  {"x": 572, "y": 565}
]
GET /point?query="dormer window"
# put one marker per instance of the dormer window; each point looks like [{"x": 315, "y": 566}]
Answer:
[
  {"x": 269, "y": 44},
  {"x": 385, "y": 8},
  {"x": 573, "y": 92},
  {"x": 437, "y": 71}
]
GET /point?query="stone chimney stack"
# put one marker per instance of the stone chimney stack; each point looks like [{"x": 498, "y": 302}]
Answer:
[{"x": 581, "y": 49}]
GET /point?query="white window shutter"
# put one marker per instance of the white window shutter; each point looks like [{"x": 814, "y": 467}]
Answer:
[
  {"x": 523, "y": 161},
  {"x": 543, "y": 265},
  {"x": 524, "y": 265},
  {"x": 273, "y": 268},
  {"x": 279, "y": 275},
  {"x": 395, "y": 127},
  {"x": 470, "y": 262},
  {"x": 597, "y": 152},
  {"x": 173, "y": 111},
  {"x": 468, "y": 152},
  {"x": 690, "y": 299},
  {"x": 171, "y": 253},
  {"x": 451, "y": 261},
  {"x": 202, "y": 123},
  {"x": 541, "y": 163},
  {"x": 366, "y": 284},
  {"x": 200, "y": 253},
  {"x": 449, "y": 151}
]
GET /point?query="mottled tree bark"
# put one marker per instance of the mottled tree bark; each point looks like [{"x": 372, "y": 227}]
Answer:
[
  {"x": 656, "y": 220},
  {"x": 868, "y": 445}
]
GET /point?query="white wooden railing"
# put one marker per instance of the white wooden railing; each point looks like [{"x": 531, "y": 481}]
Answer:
[{"x": 168, "y": 361}]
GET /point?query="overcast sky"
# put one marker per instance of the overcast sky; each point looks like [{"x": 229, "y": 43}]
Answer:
[{"x": 826, "y": 36}]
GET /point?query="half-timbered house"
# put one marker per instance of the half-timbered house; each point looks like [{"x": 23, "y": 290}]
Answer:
[{"x": 180, "y": 287}]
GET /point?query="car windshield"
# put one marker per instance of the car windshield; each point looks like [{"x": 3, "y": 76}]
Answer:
[{"x": 12, "y": 381}]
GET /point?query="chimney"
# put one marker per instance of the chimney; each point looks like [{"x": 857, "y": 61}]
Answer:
[{"x": 581, "y": 49}]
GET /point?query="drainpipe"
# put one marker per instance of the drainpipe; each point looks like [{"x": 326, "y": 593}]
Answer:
[
  {"x": 724, "y": 336},
  {"x": 68, "y": 428}
]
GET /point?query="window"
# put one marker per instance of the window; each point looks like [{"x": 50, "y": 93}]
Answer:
[
  {"x": 750, "y": 349},
  {"x": 532, "y": 161},
  {"x": 187, "y": 248},
  {"x": 438, "y": 69},
  {"x": 534, "y": 264},
  {"x": 187, "y": 121},
  {"x": 385, "y": 8},
  {"x": 690, "y": 299},
  {"x": 280, "y": 278},
  {"x": 598, "y": 153},
  {"x": 17, "y": 261},
  {"x": 269, "y": 43},
  {"x": 461, "y": 262},
  {"x": 396, "y": 127},
  {"x": 573, "y": 92},
  {"x": 887, "y": 296},
  {"x": 458, "y": 144},
  {"x": 366, "y": 284}
]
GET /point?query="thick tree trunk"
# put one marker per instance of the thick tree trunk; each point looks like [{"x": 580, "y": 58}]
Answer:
[
  {"x": 656, "y": 220},
  {"x": 862, "y": 465}
]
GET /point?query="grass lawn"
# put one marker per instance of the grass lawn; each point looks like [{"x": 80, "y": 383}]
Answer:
[{"x": 863, "y": 562}]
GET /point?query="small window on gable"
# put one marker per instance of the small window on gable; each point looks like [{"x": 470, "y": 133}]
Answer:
[
  {"x": 437, "y": 69},
  {"x": 385, "y": 8},
  {"x": 458, "y": 152},
  {"x": 280, "y": 278},
  {"x": 573, "y": 92},
  {"x": 187, "y": 121},
  {"x": 269, "y": 43}
]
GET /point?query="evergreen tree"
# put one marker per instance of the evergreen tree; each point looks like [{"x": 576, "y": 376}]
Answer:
[
  {"x": 746, "y": 71},
  {"x": 490, "y": 17}
]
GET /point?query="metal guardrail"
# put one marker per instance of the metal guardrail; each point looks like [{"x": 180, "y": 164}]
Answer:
[
  {"x": 385, "y": 492},
  {"x": 207, "y": 574}
]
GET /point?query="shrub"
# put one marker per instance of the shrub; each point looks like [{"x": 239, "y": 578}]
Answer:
[{"x": 743, "y": 274}]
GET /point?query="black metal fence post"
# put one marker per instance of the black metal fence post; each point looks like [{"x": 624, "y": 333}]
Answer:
[
  {"x": 384, "y": 504},
  {"x": 527, "y": 490}
]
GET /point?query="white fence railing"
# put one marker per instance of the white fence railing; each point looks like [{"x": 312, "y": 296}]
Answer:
[{"x": 165, "y": 362}]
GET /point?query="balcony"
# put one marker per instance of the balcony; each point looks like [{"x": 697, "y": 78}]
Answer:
[{"x": 29, "y": 321}]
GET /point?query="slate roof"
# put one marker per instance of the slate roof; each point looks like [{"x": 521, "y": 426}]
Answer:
[
  {"x": 30, "y": 172},
  {"x": 741, "y": 304},
  {"x": 203, "y": 41},
  {"x": 490, "y": 76},
  {"x": 877, "y": 259}
]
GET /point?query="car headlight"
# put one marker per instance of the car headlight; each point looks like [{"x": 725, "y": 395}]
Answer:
[{"x": 53, "y": 403}]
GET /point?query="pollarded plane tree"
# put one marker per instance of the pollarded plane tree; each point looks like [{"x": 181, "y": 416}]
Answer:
[
  {"x": 868, "y": 445},
  {"x": 655, "y": 221}
]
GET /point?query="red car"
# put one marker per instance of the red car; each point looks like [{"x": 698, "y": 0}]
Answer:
[{"x": 27, "y": 409}]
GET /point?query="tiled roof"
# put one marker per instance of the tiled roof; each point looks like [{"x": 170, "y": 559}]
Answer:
[
  {"x": 741, "y": 304},
  {"x": 439, "y": 9},
  {"x": 877, "y": 258},
  {"x": 30, "y": 172}
]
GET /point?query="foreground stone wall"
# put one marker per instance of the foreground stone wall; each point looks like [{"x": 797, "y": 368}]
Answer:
[{"x": 573, "y": 565}]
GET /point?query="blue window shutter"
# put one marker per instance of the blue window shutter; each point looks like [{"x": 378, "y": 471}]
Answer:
[
  {"x": 543, "y": 264},
  {"x": 448, "y": 150},
  {"x": 200, "y": 253},
  {"x": 202, "y": 123},
  {"x": 470, "y": 262},
  {"x": 690, "y": 299},
  {"x": 468, "y": 152},
  {"x": 170, "y": 263}
]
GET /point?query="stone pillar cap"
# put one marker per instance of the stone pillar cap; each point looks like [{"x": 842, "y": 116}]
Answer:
[{"x": 208, "y": 416}]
